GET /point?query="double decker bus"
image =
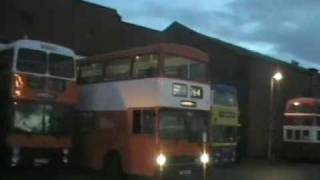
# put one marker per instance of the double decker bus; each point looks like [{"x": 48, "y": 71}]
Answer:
[
  {"x": 301, "y": 129},
  {"x": 224, "y": 124},
  {"x": 145, "y": 110},
  {"x": 38, "y": 95}
]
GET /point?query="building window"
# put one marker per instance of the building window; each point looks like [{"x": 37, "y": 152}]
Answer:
[{"x": 143, "y": 122}]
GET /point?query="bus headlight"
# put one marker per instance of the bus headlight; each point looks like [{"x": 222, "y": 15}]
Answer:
[
  {"x": 161, "y": 160},
  {"x": 204, "y": 158}
]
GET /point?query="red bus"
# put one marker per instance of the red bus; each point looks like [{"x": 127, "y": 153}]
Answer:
[
  {"x": 38, "y": 95},
  {"x": 145, "y": 110},
  {"x": 301, "y": 130}
]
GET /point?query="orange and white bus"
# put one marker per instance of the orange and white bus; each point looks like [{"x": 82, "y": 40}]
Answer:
[
  {"x": 301, "y": 130},
  {"x": 38, "y": 96},
  {"x": 145, "y": 110}
]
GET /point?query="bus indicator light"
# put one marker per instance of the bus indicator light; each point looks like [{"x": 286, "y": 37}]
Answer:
[{"x": 18, "y": 81}]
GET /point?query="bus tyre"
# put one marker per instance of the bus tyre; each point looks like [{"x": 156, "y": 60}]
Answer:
[{"x": 113, "y": 166}]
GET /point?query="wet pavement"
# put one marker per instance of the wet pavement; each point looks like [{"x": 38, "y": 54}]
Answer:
[{"x": 249, "y": 170}]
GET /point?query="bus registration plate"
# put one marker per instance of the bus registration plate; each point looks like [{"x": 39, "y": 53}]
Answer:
[
  {"x": 41, "y": 161},
  {"x": 185, "y": 172}
]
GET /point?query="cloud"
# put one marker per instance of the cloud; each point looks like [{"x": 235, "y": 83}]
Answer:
[
  {"x": 286, "y": 29},
  {"x": 291, "y": 26}
]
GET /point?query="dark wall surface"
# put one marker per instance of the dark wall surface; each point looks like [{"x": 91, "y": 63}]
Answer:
[{"x": 91, "y": 29}]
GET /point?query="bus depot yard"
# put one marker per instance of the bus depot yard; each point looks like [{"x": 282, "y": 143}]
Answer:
[
  {"x": 171, "y": 104},
  {"x": 249, "y": 170},
  {"x": 148, "y": 111}
]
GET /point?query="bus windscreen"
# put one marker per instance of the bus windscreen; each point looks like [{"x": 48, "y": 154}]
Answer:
[
  {"x": 224, "y": 98},
  {"x": 33, "y": 118},
  {"x": 61, "y": 66},
  {"x": 177, "y": 124},
  {"x": 223, "y": 134},
  {"x": 32, "y": 61}
]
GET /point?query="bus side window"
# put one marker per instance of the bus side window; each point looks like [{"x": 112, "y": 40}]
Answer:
[
  {"x": 87, "y": 122},
  {"x": 143, "y": 122},
  {"x": 6, "y": 58}
]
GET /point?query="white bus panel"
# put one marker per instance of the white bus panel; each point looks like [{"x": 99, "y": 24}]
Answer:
[{"x": 149, "y": 92}]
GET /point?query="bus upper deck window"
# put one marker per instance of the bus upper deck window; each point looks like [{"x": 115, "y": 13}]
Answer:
[
  {"x": 32, "y": 61},
  {"x": 90, "y": 73},
  {"x": 118, "y": 69},
  {"x": 145, "y": 66},
  {"x": 60, "y": 65}
]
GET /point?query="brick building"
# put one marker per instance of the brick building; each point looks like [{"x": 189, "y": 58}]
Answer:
[{"x": 91, "y": 29}]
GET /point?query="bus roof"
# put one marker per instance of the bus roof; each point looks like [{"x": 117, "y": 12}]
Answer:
[
  {"x": 304, "y": 100},
  {"x": 167, "y": 48},
  {"x": 41, "y": 45}
]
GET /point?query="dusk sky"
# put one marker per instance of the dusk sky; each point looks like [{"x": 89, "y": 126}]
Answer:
[{"x": 285, "y": 29}]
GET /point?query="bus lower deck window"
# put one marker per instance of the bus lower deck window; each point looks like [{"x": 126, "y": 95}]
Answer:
[
  {"x": 305, "y": 134},
  {"x": 297, "y": 134},
  {"x": 289, "y": 134}
]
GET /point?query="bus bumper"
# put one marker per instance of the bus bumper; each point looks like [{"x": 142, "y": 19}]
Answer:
[
  {"x": 185, "y": 171},
  {"x": 303, "y": 151},
  {"x": 37, "y": 157},
  {"x": 223, "y": 156}
]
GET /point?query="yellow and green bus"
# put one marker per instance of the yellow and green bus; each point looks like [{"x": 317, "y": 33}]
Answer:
[{"x": 224, "y": 124}]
